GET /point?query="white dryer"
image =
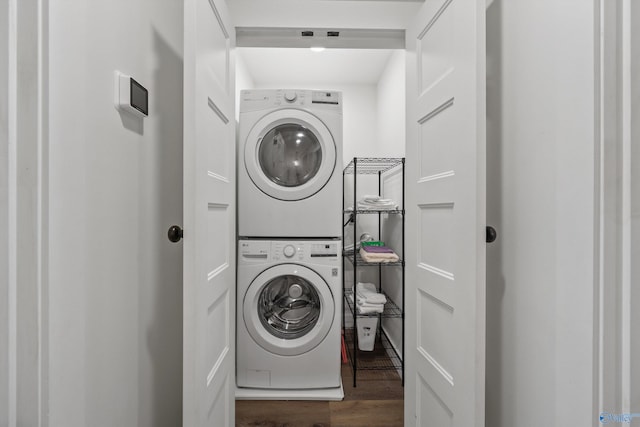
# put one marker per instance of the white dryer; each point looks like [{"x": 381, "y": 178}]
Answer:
[
  {"x": 290, "y": 163},
  {"x": 289, "y": 319}
]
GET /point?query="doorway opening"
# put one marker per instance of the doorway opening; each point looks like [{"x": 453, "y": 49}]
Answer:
[{"x": 372, "y": 82}]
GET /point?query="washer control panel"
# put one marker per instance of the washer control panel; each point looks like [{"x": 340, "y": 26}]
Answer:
[
  {"x": 258, "y": 251},
  {"x": 324, "y": 250},
  {"x": 254, "y": 250}
]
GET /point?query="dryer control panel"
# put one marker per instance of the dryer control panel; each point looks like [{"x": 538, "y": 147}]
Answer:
[{"x": 253, "y": 100}]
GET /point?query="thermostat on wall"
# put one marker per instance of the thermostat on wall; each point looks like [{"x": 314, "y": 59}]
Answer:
[{"x": 130, "y": 95}]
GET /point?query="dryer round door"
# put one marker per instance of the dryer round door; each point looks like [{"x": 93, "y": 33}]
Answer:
[
  {"x": 288, "y": 309},
  {"x": 290, "y": 154}
]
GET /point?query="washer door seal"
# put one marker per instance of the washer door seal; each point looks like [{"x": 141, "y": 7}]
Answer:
[{"x": 288, "y": 309}]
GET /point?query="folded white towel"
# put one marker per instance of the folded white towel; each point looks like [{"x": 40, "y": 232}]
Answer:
[
  {"x": 369, "y": 207},
  {"x": 363, "y": 302},
  {"x": 374, "y": 202},
  {"x": 369, "y": 310},
  {"x": 368, "y": 292},
  {"x": 366, "y": 306}
]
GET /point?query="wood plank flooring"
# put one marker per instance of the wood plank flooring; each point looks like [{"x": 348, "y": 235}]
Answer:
[{"x": 377, "y": 401}]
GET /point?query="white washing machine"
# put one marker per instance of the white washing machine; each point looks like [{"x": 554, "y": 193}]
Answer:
[
  {"x": 290, "y": 164},
  {"x": 289, "y": 319}
]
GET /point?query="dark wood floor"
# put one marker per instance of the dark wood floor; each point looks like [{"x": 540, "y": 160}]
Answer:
[{"x": 376, "y": 401}]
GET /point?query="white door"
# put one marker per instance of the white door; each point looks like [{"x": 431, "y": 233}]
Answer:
[
  {"x": 445, "y": 304},
  {"x": 209, "y": 216}
]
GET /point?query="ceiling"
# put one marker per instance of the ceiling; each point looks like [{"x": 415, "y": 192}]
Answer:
[
  {"x": 301, "y": 66},
  {"x": 368, "y": 31}
]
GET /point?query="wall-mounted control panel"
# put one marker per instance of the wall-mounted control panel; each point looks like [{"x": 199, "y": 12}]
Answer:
[{"x": 130, "y": 96}]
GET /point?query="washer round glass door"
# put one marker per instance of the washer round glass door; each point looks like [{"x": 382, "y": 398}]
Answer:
[
  {"x": 290, "y": 154},
  {"x": 288, "y": 309}
]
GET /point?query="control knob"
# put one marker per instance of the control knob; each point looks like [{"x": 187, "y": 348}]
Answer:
[
  {"x": 289, "y": 251},
  {"x": 290, "y": 96}
]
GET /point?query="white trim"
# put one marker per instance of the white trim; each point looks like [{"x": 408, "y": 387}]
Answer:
[
  {"x": 599, "y": 323},
  {"x": 600, "y": 260},
  {"x": 42, "y": 217},
  {"x": 12, "y": 235},
  {"x": 613, "y": 298},
  {"x": 27, "y": 212},
  {"x": 625, "y": 300}
]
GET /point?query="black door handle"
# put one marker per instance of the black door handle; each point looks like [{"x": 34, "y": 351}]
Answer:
[
  {"x": 492, "y": 234},
  {"x": 175, "y": 233}
]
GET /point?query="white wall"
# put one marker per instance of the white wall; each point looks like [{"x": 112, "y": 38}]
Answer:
[
  {"x": 540, "y": 197},
  {"x": 391, "y": 107},
  {"x": 390, "y": 135},
  {"x": 244, "y": 80},
  {"x": 115, "y": 187}
]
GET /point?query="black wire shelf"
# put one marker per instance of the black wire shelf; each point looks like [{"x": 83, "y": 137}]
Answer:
[
  {"x": 383, "y": 357},
  {"x": 371, "y": 165},
  {"x": 372, "y": 211},
  {"x": 391, "y": 309}
]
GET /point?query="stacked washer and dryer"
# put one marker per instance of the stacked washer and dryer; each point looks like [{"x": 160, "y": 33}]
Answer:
[{"x": 289, "y": 296}]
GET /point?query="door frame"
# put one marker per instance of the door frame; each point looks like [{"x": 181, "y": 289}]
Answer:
[
  {"x": 27, "y": 207},
  {"x": 615, "y": 196}
]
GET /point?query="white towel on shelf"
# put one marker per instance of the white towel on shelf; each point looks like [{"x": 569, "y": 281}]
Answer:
[
  {"x": 375, "y": 202},
  {"x": 367, "y": 308},
  {"x": 363, "y": 303},
  {"x": 387, "y": 205},
  {"x": 371, "y": 197},
  {"x": 368, "y": 292}
]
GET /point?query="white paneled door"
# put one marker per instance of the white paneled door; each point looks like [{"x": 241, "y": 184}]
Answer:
[
  {"x": 209, "y": 216},
  {"x": 445, "y": 151}
]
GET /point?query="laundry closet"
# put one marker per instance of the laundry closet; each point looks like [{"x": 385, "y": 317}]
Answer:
[{"x": 371, "y": 84}]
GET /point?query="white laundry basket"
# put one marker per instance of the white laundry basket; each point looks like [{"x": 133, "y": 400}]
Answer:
[{"x": 367, "y": 328}]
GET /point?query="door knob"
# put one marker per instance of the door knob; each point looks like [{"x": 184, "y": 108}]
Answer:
[
  {"x": 175, "y": 233},
  {"x": 492, "y": 234}
]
